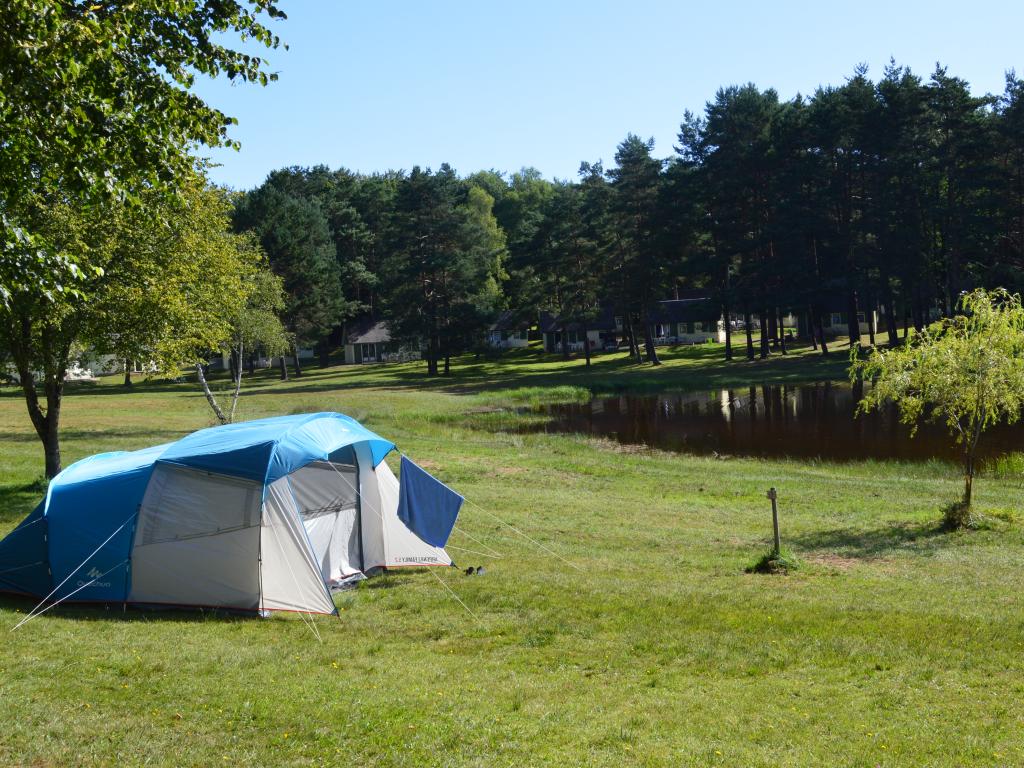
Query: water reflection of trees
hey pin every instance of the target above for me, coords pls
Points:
(764, 420)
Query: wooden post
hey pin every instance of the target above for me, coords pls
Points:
(773, 495)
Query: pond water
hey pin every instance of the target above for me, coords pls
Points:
(806, 420)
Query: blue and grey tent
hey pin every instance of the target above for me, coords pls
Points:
(261, 516)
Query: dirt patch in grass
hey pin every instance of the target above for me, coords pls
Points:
(616, 447)
(505, 471)
(828, 560)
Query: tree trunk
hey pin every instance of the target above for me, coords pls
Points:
(652, 353)
(47, 425)
(50, 434)
(565, 341)
(252, 363)
(890, 323)
(447, 361)
(127, 372)
(762, 317)
(325, 354)
(634, 349)
(870, 314)
(238, 380)
(821, 330)
(782, 334)
(773, 329)
(748, 320)
(889, 306)
(811, 330)
(432, 352)
(586, 345)
(961, 515)
(728, 330)
(284, 368)
(209, 395)
(852, 326)
(295, 358)
(51, 443)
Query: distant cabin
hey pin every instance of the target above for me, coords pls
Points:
(221, 361)
(694, 319)
(508, 331)
(599, 332)
(834, 316)
(370, 342)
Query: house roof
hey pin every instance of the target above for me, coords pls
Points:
(369, 332)
(604, 321)
(697, 309)
(510, 321)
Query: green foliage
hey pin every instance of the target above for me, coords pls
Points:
(171, 294)
(296, 237)
(638, 269)
(257, 326)
(444, 265)
(892, 194)
(95, 104)
(967, 372)
(165, 281)
(1006, 467)
(569, 250)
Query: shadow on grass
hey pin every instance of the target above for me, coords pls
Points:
(20, 605)
(704, 368)
(168, 435)
(698, 367)
(391, 579)
(76, 388)
(922, 538)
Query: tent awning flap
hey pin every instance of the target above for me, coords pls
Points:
(427, 506)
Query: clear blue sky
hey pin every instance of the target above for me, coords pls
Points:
(385, 84)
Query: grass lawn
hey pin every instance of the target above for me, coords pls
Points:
(894, 644)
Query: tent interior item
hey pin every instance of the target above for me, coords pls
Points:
(258, 516)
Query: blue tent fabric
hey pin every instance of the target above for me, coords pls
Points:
(85, 505)
(23, 556)
(268, 449)
(82, 533)
(427, 506)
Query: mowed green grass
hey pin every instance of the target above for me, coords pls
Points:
(895, 644)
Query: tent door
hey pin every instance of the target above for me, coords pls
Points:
(327, 498)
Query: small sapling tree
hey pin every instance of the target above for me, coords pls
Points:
(255, 326)
(966, 372)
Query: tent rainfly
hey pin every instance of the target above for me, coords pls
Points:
(257, 516)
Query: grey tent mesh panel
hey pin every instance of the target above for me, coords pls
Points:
(182, 503)
(322, 488)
